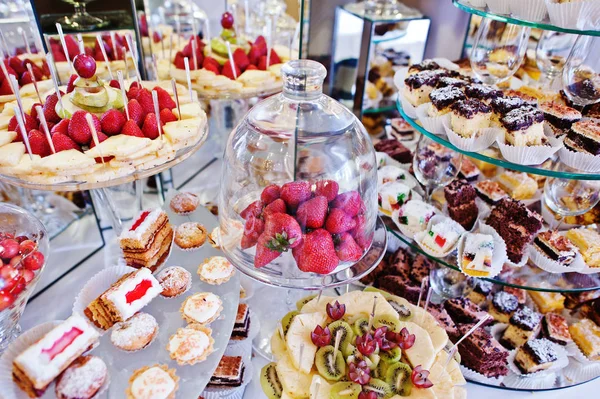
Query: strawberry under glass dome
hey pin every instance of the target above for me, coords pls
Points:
(298, 199)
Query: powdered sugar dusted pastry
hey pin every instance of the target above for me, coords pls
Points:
(135, 333)
(216, 270)
(82, 379)
(191, 345)
(184, 203)
(202, 308)
(153, 382)
(174, 280)
(190, 235)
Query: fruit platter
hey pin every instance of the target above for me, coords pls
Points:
(361, 345)
(25, 68)
(99, 132)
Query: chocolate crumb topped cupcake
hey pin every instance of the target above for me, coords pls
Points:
(584, 136)
(469, 116)
(524, 126)
(419, 85)
(503, 306)
(443, 98)
(524, 324)
(536, 355)
(559, 117)
(482, 92)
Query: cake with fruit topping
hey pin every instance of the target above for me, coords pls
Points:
(503, 105)
(524, 126)
(418, 86)
(468, 117)
(477, 254)
(392, 196)
(482, 92)
(38, 365)
(536, 355)
(123, 299)
(148, 241)
(556, 247)
(425, 65)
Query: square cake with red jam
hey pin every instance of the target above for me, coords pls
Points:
(123, 299)
(37, 366)
(148, 241)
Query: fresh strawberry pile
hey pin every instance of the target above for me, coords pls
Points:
(112, 52)
(156, 36)
(321, 226)
(20, 260)
(18, 68)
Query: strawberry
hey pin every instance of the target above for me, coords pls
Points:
(254, 54)
(71, 85)
(29, 123)
(115, 83)
(132, 93)
(112, 122)
(17, 65)
(132, 129)
(251, 68)
(262, 63)
(339, 222)
(156, 37)
(350, 202)
(150, 127)
(281, 233)
(179, 62)
(9, 70)
(164, 98)
(50, 126)
(5, 88)
(50, 109)
(25, 79)
(228, 71)
(240, 58)
(136, 113)
(72, 46)
(34, 111)
(62, 142)
(211, 61)
(295, 192)
(311, 214)
(327, 188)
(277, 206)
(38, 73)
(274, 58)
(359, 233)
(144, 97)
(45, 68)
(166, 116)
(38, 143)
(61, 127)
(347, 249)
(79, 129)
(316, 253)
(254, 209)
(213, 69)
(270, 194)
(252, 230)
(261, 43)
(101, 138)
(135, 85)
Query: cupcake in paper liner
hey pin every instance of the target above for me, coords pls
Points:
(479, 141)
(441, 236)
(481, 254)
(564, 15)
(433, 124)
(528, 155)
(499, 6)
(561, 248)
(546, 348)
(529, 10)
(577, 372)
(413, 217)
(474, 376)
(580, 160)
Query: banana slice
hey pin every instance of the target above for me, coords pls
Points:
(295, 382)
(422, 352)
(298, 335)
(6, 136)
(65, 163)
(11, 154)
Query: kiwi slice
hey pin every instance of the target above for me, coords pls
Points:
(347, 336)
(360, 326)
(381, 369)
(385, 294)
(287, 320)
(304, 301)
(330, 363)
(344, 390)
(269, 382)
(391, 322)
(381, 388)
(391, 356)
(404, 313)
(398, 379)
(374, 359)
(349, 350)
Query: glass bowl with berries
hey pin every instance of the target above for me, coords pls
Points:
(23, 250)
(298, 189)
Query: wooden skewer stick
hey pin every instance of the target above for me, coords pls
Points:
(123, 93)
(157, 113)
(174, 85)
(4, 70)
(455, 346)
(280, 329)
(207, 35)
(372, 315)
(104, 55)
(40, 113)
(427, 299)
(188, 76)
(21, 124)
(80, 43)
(230, 54)
(39, 46)
(423, 282)
(5, 45)
(25, 39)
(15, 87)
(64, 45)
(34, 81)
(54, 75)
(134, 59)
(338, 338)
(90, 122)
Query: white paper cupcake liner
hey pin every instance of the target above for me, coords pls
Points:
(580, 160)
(434, 124)
(530, 10)
(420, 236)
(483, 140)
(498, 255)
(561, 362)
(564, 15)
(551, 266)
(590, 16)
(499, 6)
(95, 286)
(409, 109)
(576, 353)
(545, 381)
(531, 155)
(577, 372)
(404, 229)
(476, 3)
(474, 376)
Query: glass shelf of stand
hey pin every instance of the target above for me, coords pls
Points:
(533, 169)
(531, 274)
(544, 25)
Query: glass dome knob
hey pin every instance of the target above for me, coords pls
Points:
(303, 78)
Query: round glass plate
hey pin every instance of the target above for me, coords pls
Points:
(274, 276)
(561, 384)
(236, 95)
(181, 156)
(536, 170)
(544, 25)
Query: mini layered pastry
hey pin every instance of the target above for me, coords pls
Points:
(153, 382)
(482, 353)
(463, 310)
(229, 373)
(468, 170)
(241, 327)
(490, 191)
(401, 129)
(536, 355)
(442, 237)
(480, 290)
(560, 117)
(202, 308)
(556, 247)
(477, 254)
(588, 242)
(482, 92)
(584, 137)
(418, 86)
(148, 241)
(524, 324)
(38, 365)
(191, 345)
(393, 195)
(460, 196)
(468, 117)
(443, 98)
(123, 299)
(524, 127)
(518, 184)
(415, 215)
(503, 306)
(556, 329)
(548, 301)
(394, 149)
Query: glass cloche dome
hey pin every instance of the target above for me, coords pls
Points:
(298, 200)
